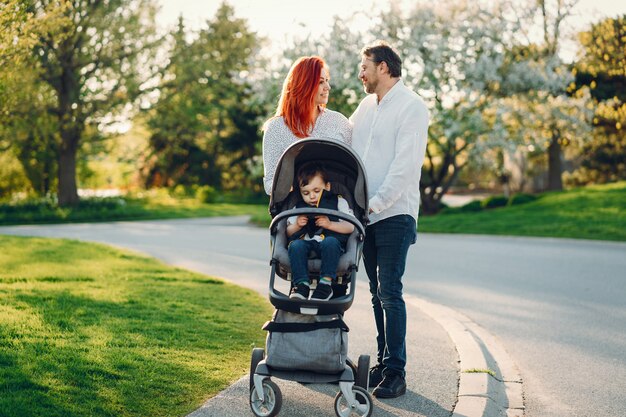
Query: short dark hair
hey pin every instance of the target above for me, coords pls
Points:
(310, 170)
(381, 51)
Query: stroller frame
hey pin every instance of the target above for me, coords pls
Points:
(353, 397)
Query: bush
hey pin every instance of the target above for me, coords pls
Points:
(13, 180)
(494, 201)
(207, 194)
(184, 191)
(244, 196)
(522, 198)
(471, 206)
(46, 209)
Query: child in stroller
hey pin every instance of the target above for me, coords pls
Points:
(323, 236)
(307, 340)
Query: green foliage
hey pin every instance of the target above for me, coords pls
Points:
(207, 194)
(47, 210)
(494, 201)
(12, 177)
(88, 330)
(471, 206)
(491, 202)
(602, 67)
(27, 129)
(521, 198)
(203, 128)
(89, 61)
(490, 94)
(601, 64)
(159, 204)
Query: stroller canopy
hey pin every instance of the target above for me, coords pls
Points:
(344, 168)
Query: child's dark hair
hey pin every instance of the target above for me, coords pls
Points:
(310, 170)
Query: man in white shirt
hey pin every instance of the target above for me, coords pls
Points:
(390, 129)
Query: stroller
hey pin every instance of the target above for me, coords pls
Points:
(307, 339)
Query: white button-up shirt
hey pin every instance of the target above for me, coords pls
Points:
(390, 137)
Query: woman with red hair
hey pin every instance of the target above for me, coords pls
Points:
(301, 113)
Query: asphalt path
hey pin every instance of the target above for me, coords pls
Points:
(556, 305)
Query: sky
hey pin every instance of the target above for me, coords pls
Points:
(281, 19)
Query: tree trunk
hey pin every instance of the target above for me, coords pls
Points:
(71, 126)
(68, 192)
(431, 203)
(555, 165)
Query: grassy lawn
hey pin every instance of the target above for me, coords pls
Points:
(596, 212)
(88, 330)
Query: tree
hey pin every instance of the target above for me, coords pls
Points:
(341, 53)
(174, 123)
(95, 64)
(451, 54)
(601, 66)
(26, 127)
(204, 126)
(534, 73)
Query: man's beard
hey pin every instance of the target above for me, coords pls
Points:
(370, 87)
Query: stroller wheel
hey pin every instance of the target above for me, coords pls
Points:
(258, 354)
(362, 405)
(271, 403)
(362, 375)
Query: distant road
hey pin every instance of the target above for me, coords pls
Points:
(557, 305)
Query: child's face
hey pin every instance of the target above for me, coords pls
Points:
(312, 192)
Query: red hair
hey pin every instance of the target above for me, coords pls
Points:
(297, 100)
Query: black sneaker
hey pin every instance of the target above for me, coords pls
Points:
(300, 291)
(376, 375)
(322, 292)
(392, 386)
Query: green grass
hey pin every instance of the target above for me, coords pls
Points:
(88, 330)
(479, 371)
(595, 212)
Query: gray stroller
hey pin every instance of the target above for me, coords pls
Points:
(307, 340)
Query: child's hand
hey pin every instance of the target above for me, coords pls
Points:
(301, 221)
(322, 221)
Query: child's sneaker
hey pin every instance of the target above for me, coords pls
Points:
(300, 291)
(322, 292)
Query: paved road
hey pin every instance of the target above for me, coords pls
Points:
(556, 305)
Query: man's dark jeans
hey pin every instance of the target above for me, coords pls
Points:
(384, 255)
(329, 250)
